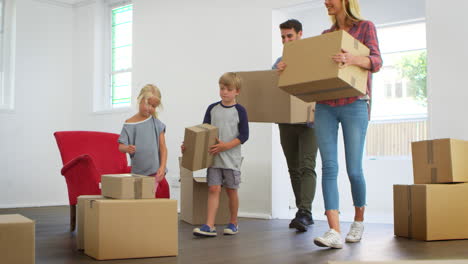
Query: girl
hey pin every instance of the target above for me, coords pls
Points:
(143, 138)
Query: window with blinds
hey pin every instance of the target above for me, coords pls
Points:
(399, 96)
(121, 55)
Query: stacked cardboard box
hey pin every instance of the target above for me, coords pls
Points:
(197, 141)
(440, 161)
(312, 75)
(17, 234)
(128, 186)
(265, 102)
(436, 206)
(120, 229)
(80, 218)
(194, 197)
(132, 225)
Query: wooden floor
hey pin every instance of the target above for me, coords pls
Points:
(259, 241)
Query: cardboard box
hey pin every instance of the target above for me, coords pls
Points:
(431, 211)
(449, 261)
(121, 229)
(313, 76)
(197, 141)
(265, 102)
(128, 186)
(80, 216)
(17, 236)
(440, 161)
(194, 198)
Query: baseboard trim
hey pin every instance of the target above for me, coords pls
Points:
(11, 206)
(254, 215)
(240, 214)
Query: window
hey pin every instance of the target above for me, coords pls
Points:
(121, 55)
(399, 99)
(6, 54)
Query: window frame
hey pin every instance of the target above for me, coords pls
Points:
(103, 93)
(394, 88)
(7, 58)
(400, 120)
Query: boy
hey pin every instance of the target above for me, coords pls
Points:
(231, 120)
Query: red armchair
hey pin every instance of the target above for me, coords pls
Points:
(86, 155)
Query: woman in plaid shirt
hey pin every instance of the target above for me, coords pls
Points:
(353, 114)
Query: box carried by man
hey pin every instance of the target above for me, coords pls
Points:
(265, 102)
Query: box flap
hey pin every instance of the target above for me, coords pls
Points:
(14, 219)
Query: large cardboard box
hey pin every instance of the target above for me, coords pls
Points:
(128, 186)
(440, 161)
(197, 141)
(448, 261)
(17, 235)
(265, 102)
(431, 211)
(80, 216)
(194, 197)
(313, 76)
(121, 229)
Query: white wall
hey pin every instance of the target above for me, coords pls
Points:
(43, 76)
(184, 51)
(380, 174)
(447, 56)
(58, 45)
(55, 74)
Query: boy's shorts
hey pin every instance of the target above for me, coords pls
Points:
(226, 177)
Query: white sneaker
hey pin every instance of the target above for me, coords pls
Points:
(331, 239)
(355, 232)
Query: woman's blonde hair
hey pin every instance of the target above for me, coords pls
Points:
(352, 11)
(149, 91)
(231, 79)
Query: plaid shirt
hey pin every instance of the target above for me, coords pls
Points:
(365, 32)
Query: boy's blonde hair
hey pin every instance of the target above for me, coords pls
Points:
(352, 11)
(231, 79)
(149, 91)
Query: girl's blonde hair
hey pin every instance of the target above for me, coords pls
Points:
(231, 79)
(352, 11)
(149, 91)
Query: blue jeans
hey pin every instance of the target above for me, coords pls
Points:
(354, 120)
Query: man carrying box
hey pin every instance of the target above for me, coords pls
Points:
(299, 147)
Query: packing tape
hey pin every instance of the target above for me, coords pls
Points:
(356, 44)
(410, 214)
(137, 187)
(430, 152)
(430, 160)
(433, 175)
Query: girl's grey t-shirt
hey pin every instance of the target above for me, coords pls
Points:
(145, 136)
